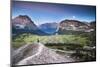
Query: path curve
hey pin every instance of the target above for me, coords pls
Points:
(38, 52)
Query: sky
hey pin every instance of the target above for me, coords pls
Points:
(52, 12)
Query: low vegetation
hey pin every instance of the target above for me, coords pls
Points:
(62, 42)
(53, 39)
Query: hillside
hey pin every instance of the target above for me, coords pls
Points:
(24, 24)
(74, 27)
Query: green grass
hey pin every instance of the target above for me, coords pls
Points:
(61, 42)
(67, 39)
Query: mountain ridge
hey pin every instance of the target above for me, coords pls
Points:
(73, 26)
(24, 24)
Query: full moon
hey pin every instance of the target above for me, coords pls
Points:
(73, 17)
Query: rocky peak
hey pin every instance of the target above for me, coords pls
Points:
(74, 27)
(23, 21)
(24, 24)
(75, 23)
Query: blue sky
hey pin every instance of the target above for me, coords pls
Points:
(46, 12)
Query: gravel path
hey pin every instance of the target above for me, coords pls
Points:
(39, 54)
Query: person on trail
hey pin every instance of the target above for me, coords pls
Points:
(38, 40)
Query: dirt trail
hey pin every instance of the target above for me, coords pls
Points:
(37, 53)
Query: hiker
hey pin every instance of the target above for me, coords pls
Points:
(38, 40)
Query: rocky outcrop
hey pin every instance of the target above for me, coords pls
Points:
(74, 26)
(23, 22)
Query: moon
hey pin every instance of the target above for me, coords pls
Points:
(73, 17)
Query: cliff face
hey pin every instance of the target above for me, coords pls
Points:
(73, 26)
(24, 24)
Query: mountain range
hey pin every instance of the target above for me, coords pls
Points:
(24, 24)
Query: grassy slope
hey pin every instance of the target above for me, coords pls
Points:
(62, 42)
(68, 39)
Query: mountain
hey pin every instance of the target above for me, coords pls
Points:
(24, 24)
(49, 27)
(93, 24)
(73, 27)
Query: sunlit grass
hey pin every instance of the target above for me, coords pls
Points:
(29, 38)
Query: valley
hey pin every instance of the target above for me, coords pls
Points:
(69, 38)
